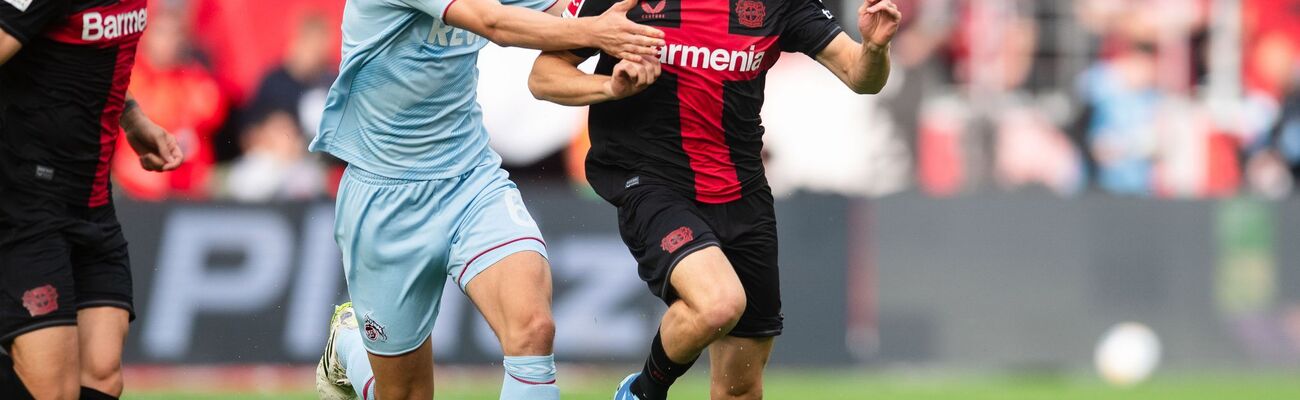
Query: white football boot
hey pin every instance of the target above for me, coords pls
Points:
(331, 375)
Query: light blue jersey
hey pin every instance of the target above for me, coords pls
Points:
(424, 199)
(404, 105)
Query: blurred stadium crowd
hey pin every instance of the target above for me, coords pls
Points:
(1146, 98)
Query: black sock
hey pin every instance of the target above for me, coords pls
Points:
(92, 394)
(659, 373)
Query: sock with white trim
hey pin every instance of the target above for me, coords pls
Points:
(529, 378)
(352, 353)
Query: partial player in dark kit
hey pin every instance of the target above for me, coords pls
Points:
(65, 278)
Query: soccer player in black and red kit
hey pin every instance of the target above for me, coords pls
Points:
(676, 146)
(65, 279)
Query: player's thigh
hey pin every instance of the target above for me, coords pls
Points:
(514, 296)
(38, 303)
(493, 225)
(499, 260)
(737, 364)
(404, 376)
(394, 245)
(674, 247)
(46, 360)
(706, 279)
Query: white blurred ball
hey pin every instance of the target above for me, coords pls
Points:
(1127, 354)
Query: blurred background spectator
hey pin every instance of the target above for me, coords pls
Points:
(181, 95)
(275, 164)
(300, 83)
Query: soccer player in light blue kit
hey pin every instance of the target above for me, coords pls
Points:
(424, 198)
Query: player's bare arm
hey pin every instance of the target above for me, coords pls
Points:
(157, 149)
(9, 46)
(865, 67)
(557, 79)
(611, 32)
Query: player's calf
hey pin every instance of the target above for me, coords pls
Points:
(737, 366)
(747, 392)
(403, 377)
(710, 303)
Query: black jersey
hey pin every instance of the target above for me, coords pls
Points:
(698, 128)
(61, 96)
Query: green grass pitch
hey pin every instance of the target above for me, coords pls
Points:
(824, 385)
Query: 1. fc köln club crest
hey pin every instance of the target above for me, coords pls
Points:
(751, 13)
(373, 330)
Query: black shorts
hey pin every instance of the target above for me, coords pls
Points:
(662, 226)
(56, 259)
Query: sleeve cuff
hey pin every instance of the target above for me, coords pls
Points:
(14, 32)
(825, 41)
(443, 17)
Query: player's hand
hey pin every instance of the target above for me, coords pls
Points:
(614, 34)
(878, 21)
(631, 77)
(157, 149)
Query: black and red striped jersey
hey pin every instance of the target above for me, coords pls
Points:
(697, 128)
(61, 96)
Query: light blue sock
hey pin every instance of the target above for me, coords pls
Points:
(352, 353)
(529, 378)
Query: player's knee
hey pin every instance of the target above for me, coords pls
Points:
(103, 376)
(723, 311)
(53, 380)
(532, 335)
(66, 389)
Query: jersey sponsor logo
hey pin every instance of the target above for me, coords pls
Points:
(96, 26)
(41, 300)
(654, 11)
(373, 330)
(118, 24)
(676, 239)
(21, 5)
(751, 13)
(714, 59)
(573, 9)
(444, 35)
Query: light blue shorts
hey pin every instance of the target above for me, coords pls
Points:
(402, 239)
